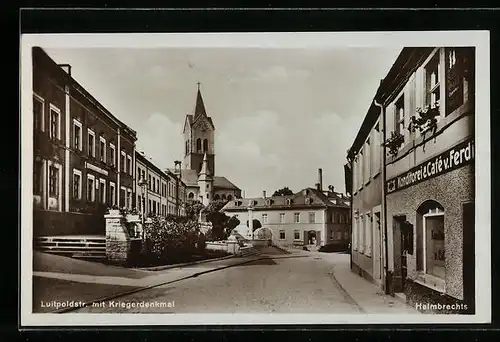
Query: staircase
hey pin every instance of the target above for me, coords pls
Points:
(248, 251)
(75, 246)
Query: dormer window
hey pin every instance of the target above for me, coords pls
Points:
(288, 201)
(237, 203)
(269, 201)
(308, 200)
(251, 203)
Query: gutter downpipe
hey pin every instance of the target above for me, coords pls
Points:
(351, 165)
(384, 201)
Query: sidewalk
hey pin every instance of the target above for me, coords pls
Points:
(59, 279)
(370, 298)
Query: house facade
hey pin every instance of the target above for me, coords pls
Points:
(306, 218)
(430, 179)
(83, 155)
(424, 108)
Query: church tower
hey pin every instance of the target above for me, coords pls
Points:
(205, 182)
(199, 138)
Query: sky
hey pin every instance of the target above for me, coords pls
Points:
(279, 114)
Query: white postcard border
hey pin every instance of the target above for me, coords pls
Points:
(323, 40)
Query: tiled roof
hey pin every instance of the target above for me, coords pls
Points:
(317, 200)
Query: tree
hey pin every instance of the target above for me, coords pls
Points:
(283, 192)
(217, 218)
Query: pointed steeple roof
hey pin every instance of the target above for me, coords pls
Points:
(204, 167)
(200, 106)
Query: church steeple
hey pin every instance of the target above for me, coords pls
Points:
(200, 106)
(205, 182)
(204, 167)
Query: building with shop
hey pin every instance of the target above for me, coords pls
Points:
(310, 217)
(164, 193)
(427, 107)
(205, 187)
(83, 155)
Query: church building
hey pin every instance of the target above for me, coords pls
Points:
(198, 169)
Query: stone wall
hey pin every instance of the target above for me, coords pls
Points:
(121, 247)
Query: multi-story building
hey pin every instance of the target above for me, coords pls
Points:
(427, 107)
(160, 197)
(83, 155)
(365, 157)
(308, 217)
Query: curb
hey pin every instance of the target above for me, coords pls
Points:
(283, 249)
(126, 293)
(166, 267)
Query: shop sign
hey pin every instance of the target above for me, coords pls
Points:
(460, 155)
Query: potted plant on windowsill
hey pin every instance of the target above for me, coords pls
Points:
(394, 142)
(425, 120)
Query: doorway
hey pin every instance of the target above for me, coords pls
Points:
(311, 238)
(400, 251)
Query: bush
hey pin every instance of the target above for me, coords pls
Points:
(169, 240)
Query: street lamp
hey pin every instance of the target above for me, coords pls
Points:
(143, 184)
(177, 163)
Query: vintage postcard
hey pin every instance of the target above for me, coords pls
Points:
(255, 178)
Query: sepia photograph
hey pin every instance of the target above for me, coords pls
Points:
(253, 178)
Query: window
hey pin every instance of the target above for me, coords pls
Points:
(312, 217)
(77, 184)
(90, 188)
(296, 234)
(53, 182)
(368, 235)
(112, 191)
(38, 178)
(102, 149)
(229, 197)
(129, 165)
(264, 218)
(102, 190)
(38, 113)
(205, 145)
(123, 198)
(91, 143)
(361, 230)
(400, 115)
(149, 182)
(282, 235)
(129, 199)
(282, 217)
(296, 217)
(368, 161)
(113, 154)
(149, 207)
(430, 239)
(459, 66)
(198, 145)
(361, 180)
(55, 122)
(432, 82)
(355, 174)
(355, 233)
(77, 135)
(123, 162)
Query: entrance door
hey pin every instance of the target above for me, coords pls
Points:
(399, 254)
(379, 245)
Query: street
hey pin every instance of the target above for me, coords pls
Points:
(277, 283)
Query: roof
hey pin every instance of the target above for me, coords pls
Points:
(38, 52)
(199, 109)
(407, 62)
(140, 156)
(318, 201)
(224, 183)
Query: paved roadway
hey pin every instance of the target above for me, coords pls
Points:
(279, 284)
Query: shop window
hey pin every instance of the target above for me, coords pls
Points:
(430, 239)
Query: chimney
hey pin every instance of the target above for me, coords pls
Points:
(320, 179)
(264, 193)
(318, 187)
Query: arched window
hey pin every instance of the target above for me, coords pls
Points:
(229, 197)
(191, 196)
(205, 145)
(223, 197)
(217, 197)
(430, 238)
(198, 145)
